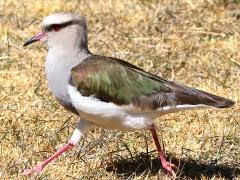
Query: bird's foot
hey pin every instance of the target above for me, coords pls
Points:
(170, 168)
(36, 169)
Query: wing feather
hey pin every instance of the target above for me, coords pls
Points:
(117, 81)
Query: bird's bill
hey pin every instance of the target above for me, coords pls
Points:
(39, 37)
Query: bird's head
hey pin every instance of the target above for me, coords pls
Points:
(64, 30)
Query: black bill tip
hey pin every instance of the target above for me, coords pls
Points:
(30, 42)
(38, 37)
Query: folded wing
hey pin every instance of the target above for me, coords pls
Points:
(117, 81)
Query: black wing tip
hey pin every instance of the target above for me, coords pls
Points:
(226, 104)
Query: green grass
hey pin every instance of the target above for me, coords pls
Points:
(192, 42)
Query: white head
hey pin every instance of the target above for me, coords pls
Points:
(63, 30)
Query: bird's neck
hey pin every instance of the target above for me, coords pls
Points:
(58, 67)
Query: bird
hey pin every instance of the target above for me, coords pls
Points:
(107, 92)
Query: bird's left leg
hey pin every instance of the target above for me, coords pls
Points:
(81, 128)
(167, 166)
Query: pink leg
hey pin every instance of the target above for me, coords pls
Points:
(38, 168)
(167, 166)
(82, 127)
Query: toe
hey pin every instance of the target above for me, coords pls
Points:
(173, 174)
(171, 169)
(26, 172)
(38, 168)
(173, 166)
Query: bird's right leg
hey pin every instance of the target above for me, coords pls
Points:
(167, 166)
(82, 127)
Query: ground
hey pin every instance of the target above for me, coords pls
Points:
(192, 42)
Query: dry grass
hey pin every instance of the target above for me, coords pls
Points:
(193, 42)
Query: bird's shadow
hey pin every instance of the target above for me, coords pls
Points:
(187, 168)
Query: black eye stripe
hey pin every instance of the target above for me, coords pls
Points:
(50, 27)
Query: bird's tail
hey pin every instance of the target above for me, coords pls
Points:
(192, 96)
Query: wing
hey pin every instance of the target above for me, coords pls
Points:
(117, 81)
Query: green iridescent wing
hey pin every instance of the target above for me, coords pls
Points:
(117, 81)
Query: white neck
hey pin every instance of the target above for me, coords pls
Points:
(58, 65)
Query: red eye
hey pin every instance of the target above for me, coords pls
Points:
(56, 27)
